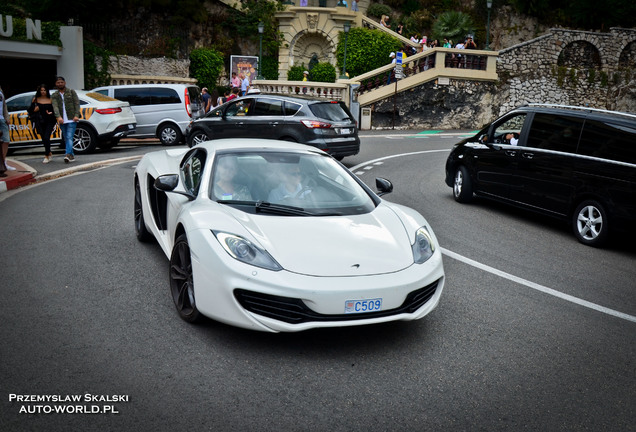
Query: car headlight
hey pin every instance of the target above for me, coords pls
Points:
(423, 248)
(244, 251)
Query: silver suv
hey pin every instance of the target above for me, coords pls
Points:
(162, 110)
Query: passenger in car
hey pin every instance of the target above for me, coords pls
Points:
(224, 186)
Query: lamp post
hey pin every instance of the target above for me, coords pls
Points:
(489, 5)
(261, 28)
(347, 27)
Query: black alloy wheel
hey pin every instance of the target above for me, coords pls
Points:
(181, 281)
(141, 231)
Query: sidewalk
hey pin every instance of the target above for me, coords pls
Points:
(23, 175)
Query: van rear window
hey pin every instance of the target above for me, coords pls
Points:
(609, 141)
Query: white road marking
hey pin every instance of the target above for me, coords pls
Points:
(509, 276)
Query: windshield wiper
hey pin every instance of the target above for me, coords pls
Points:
(268, 207)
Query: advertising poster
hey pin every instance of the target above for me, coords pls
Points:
(246, 64)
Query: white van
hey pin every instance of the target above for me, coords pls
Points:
(162, 110)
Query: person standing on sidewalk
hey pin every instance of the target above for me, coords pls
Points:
(66, 107)
(41, 110)
(4, 134)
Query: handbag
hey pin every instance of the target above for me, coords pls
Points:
(34, 117)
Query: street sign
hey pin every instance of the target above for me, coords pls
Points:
(398, 58)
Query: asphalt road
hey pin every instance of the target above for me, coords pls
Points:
(534, 331)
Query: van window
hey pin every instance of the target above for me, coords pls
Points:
(268, 107)
(609, 141)
(134, 96)
(509, 131)
(161, 96)
(555, 132)
(147, 95)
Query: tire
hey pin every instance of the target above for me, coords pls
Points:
(590, 223)
(169, 134)
(197, 137)
(181, 281)
(462, 185)
(143, 235)
(84, 139)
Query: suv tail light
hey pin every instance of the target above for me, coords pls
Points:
(313, 124)
(108, 110)
(187, 102)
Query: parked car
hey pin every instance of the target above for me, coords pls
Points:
(574, 163)
(327, 125)
(103, 123)
(162, 110)
(277, 236)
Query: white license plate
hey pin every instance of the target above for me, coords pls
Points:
(362, 306)
(345, 131)
(130, 126)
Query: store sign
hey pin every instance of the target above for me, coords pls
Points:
(33, 28)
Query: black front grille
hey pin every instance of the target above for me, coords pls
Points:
(294, 311)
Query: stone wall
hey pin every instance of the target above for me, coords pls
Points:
(564, 67)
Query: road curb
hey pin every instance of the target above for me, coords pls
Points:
(26, 175)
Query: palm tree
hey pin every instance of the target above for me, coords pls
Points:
(453, 25)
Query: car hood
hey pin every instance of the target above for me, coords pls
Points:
(368, 244)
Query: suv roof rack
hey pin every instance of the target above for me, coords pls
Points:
(572, 107)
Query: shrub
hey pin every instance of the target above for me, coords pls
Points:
(376, 10)
(206, 65)
(366, 50)
(323, 72)
(295, 73)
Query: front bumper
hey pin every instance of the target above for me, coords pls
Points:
(222, 287)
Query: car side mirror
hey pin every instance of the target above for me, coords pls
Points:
(168, 182)
(383, 185)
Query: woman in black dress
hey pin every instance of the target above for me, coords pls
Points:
(41, 111)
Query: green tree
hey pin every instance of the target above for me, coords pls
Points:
(453, 25)
(366, 50)
(206, 65)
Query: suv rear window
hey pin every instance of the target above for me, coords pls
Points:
(609, 141)
(330, 111)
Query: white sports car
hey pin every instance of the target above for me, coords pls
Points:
(277, 236)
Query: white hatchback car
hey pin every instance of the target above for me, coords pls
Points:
(103, 123)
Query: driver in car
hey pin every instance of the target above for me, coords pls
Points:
(290, 186)
(512, 138)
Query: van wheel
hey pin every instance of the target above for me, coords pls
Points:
(590, 223)
(84, 140)
(169, 134)
(462, 186)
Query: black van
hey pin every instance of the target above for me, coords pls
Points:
(574, 163)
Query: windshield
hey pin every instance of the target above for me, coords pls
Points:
(287, 183)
